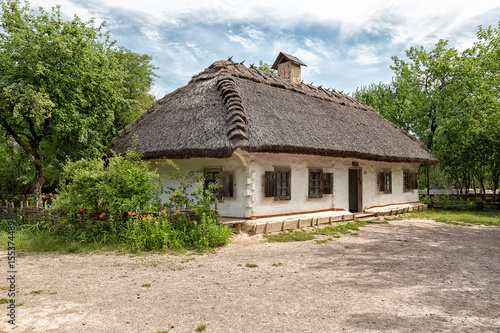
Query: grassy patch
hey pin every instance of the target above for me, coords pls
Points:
(4, 301)
(201, 328)
(251, 265)
(277, 264)
(51, 241)
(147, 285)
(295, 236)
(331, 231)
(460, 217)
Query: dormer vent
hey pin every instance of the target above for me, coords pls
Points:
(288, 67)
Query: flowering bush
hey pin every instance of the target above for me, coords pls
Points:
(108, 189)
(101, 200)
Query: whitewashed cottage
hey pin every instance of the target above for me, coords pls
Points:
(279, 146)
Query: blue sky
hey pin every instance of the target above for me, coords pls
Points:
(345, 44)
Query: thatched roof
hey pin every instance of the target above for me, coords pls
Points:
(230, 106)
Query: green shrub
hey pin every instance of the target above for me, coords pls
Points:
(98, 205)
(479, 204)
(108, 189)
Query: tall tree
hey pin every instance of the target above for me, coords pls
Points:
(65, 86)
(449, 100)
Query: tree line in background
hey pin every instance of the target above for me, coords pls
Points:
(450, 100)
(66, 89)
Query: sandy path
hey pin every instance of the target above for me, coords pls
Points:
(405, 276)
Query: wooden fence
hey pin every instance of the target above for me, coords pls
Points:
(42, 211)
(463, 204)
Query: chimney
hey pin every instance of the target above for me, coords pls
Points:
(288, 67)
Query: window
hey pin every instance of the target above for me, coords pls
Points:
(277, 184)
(315, 183)
(319, 183)
(385, 181)
(225, 180)
(406, 181)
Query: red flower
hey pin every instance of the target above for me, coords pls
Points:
(81, 209)
(177, 211)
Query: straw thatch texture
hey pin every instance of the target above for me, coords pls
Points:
(230, 106)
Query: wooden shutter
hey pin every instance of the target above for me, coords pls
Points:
(289, 184)
(381, 182)
(414, 181)
(327, 183)
(269, 184)
(226, 184)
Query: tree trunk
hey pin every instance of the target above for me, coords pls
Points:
(36, 187)
(428, 183)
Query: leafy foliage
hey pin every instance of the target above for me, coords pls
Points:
(265, 67)
(101, 199)
(450, 101)
(65, 87)
(109, 188)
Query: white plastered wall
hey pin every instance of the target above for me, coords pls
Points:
(371, 196)
(258, 163)
(248, 177)
(235, 206)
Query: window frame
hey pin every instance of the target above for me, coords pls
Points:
(385, 181)
(225, 180)
(407, 183)
(287, 172)
(315, 184)
(271, 184)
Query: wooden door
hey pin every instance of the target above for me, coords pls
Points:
(355, 190)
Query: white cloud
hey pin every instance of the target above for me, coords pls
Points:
(250, 38)
(151, 33)
(365, 55)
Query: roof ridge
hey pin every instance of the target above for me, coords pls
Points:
(241, 71)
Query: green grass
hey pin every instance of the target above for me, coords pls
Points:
(201, 328)
(295, 236)
(460, 217)
(332, 231)
(42, 237)
(51, 241)
(251, 265)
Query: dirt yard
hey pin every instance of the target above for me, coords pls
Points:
(405, 276)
